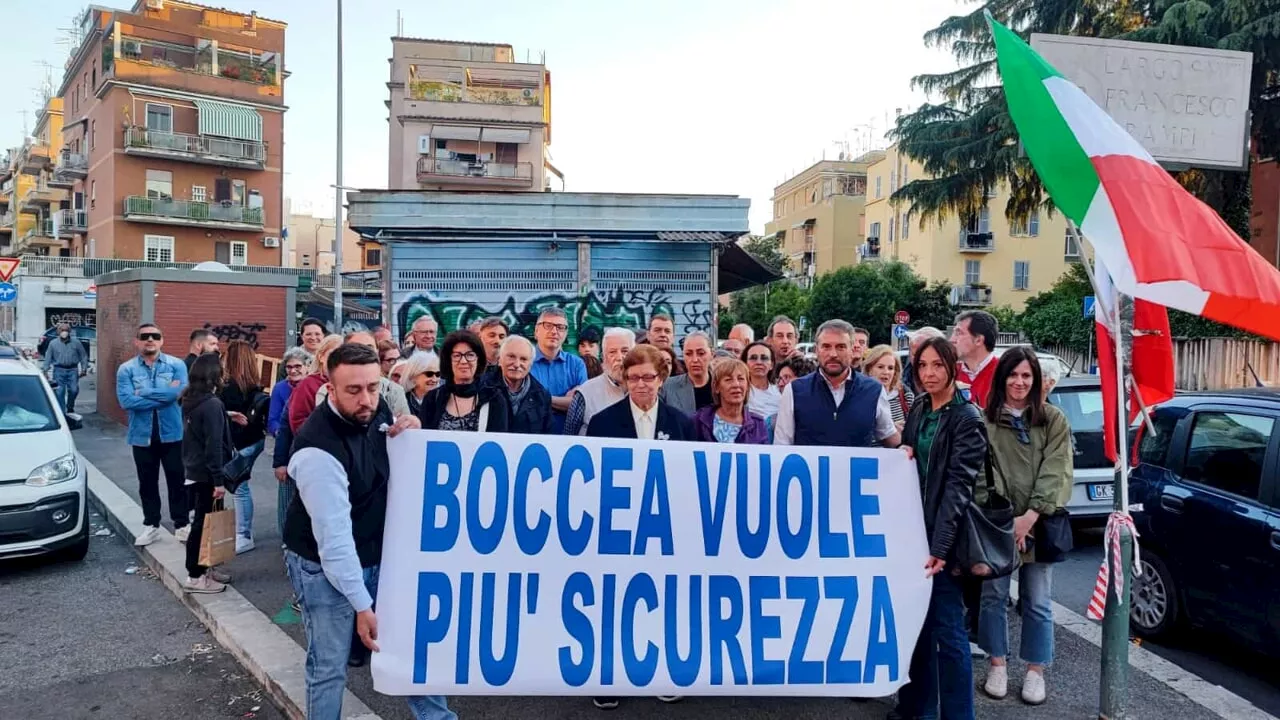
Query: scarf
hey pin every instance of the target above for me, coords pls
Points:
(517, 396)
(464, 391)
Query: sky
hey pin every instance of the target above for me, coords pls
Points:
(662, 96)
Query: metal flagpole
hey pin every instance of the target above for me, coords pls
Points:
(1113, 700)
(337, 199)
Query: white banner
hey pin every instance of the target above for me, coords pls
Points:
(541, 565)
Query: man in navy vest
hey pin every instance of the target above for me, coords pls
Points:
(835, 406)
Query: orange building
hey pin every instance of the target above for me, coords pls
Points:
(173, 136)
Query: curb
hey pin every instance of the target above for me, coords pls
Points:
(266, 651)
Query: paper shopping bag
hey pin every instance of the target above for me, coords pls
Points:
(218, 537)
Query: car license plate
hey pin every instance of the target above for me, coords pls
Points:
(1102, 491)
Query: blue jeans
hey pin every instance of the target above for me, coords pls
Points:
(284, 496)
(243, 496)
(941, 667)
(328, 618)
(68, 389)
(1035, 588)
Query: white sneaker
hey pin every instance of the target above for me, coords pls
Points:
(1033, 690)
(147, 536)
(203, 584)
(182, 533)
(243, 544)
(997, 685)
(218, 575)
(670, 698)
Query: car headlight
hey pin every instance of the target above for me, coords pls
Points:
(56, 471)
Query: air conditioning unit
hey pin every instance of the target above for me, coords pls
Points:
(271, 242)
(424, 144)
(155, 4)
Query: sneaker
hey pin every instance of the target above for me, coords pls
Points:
(605, 703)
(1033, 690)
(670, 698)
(243, 544)
(997, 685)
(219, 575)
(182, 533)
(296, 604)
(147, 536)
(975, 651)
(203, 584)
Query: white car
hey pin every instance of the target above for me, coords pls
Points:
(43, 489)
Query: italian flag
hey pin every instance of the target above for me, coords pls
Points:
(1159, 243)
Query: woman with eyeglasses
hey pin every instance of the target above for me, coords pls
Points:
(796, 366)
(1031, 445)
(419, 375)
(463, 403)
(945, 436)
(764, 394)
(727, 419)
(296, 362)
(388, 356)
(303, 400)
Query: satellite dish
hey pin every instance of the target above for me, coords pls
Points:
(212, 266)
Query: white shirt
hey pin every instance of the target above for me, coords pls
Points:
(646, 421)
(971, 374)
(764, 402)
(784, 428)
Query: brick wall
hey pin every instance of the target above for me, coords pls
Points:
(119, 313)
(258, 315)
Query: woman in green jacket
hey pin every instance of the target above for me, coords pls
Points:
(1030, 444)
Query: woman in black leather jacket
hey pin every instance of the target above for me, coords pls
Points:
(945, 435)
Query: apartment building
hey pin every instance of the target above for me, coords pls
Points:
(467, 116)
(310, 246)
(987, 260)
(34, 205)
(817, 217)
(172, 145)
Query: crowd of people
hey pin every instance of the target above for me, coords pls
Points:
(955, 408)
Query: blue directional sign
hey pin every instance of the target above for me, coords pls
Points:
(8, 293)
(1089, 303)
(899, 331)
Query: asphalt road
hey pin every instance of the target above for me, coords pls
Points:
(90, 640)
(1212, 657)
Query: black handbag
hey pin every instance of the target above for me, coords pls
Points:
(985, 548)
(1052, 537)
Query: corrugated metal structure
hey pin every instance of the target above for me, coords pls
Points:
(606, 259)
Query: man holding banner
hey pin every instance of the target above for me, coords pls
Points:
(334, 526)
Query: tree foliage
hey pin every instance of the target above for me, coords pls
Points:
(869, 294)
(767, 251)
(758, 306)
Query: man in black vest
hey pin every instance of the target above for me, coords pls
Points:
(835, 406)
(333, 528)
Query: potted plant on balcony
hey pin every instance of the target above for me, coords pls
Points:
(231, 71)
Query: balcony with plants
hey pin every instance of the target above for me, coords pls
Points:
(167, 211)
(187, 64)
(203, 149)
(474, 171)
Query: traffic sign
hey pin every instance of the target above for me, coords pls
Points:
(1090, 304)
(8, 293)
(900, 330)
(91, 293)
(9, 268)
(902, 317)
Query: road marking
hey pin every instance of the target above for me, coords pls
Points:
(1214, 698)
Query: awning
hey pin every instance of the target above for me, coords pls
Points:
(711, 237)
(455, 132)
(739, 270)
(229, 121)
(504, 135)
(810, 221)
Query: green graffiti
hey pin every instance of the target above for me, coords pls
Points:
(618, 308)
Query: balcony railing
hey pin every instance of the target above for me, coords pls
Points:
(186, 212)
(73, 220)
(195, 148)
(201, 58)
(974, 295)
(35, 157)
(977, 242)
(474, 172)
(870, 250)
(7, 220)
(71, 166)
(438, 91)
(40, 196)
(81, 267)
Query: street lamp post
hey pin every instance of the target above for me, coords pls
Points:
(337, 198)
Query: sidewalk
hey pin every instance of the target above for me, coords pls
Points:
(260, 580)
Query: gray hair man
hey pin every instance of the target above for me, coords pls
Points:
(835, 406)
(423, 334)
(739, 338)
(606, 388)
(530, 402)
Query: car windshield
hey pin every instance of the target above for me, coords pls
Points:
(24, 406)
(1082, 406)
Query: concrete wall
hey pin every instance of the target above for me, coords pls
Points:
(37, 294)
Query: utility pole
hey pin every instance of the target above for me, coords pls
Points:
(337, 199)
(1114, 700)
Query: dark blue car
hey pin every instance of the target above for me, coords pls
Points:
(1208, 481)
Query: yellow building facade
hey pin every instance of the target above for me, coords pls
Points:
(988, 261)
(32, 195)
(818, 217)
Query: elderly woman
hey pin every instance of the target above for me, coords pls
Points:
(793, 367)
(296, 362)
(530, 401)
(641, 415)
(881, 364)
(727, 419)
(1051, 370)
(419, 375)
(463, 403)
